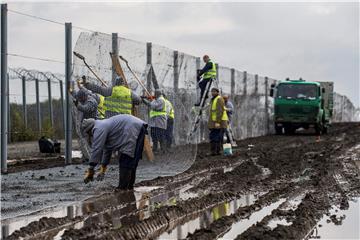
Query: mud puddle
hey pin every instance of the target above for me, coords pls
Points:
(205, 219)
(339, 224)
(240, 226)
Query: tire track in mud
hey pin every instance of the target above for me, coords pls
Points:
(316, 174)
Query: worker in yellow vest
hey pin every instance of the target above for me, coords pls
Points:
(157, 121)
(170, 123)
(218, 121)
(118, 98)
(208, 74)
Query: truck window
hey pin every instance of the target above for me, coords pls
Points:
(297, 91)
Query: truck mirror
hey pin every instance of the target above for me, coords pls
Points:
(271, 92)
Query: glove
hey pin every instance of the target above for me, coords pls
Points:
(198, 78)
(217, 125)
(83, 80)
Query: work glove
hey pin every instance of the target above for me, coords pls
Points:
(89, 175)
(217, 125)
(101, 173)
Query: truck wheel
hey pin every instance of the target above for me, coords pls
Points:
(278, 130)
(289, 130)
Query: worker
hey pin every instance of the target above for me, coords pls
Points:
(209, 75)
(118, 99)
(229, 107)
(170, 123)
(124, 133)
(85, 103)
(218, 121)
(158, 121)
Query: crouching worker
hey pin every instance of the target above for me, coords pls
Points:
(124, 133)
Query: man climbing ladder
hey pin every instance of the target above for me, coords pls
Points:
(206, 77)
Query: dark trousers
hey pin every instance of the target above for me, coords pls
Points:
(202, 86)
(169, 132)
(216, 135)
(128, 165)
(158, 136)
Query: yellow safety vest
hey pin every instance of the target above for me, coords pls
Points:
(119, 101)
(162, 112)
(211, 73)
(101, 108)
(169, 109)
(213, 111)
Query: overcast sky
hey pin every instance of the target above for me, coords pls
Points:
(315, 41)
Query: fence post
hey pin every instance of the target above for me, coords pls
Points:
(245, 83)
(148, 61)
(176, 72)
(50, 103)
(256, 83)
(68, 124)
(198, 60)
(267, 115)
(38, 107)
(24, 107)
(232, 83)
(8, 110)
(4, 88)
(62, 103)
(115, 51)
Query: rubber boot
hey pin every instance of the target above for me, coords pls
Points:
(89, 175)
(132, 179)
(218, 148)
(124, 179)
(212, 149)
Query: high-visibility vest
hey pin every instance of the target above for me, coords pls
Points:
(210, 73)
(101, 107)
(162, 112)
(169, 109)
(213, 111)
(119, 101)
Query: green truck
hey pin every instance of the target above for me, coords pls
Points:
(302, 104)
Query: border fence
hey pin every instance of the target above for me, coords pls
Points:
(26, 116)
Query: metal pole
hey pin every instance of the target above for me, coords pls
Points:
(62, 103)
(4, 88)
(38, 108)
(23, 78)
(232, 78)
(176, 72)
(115, 52)
(267, 114)
(68, 62)
(50, 103)
(8, 110)
(149, 61)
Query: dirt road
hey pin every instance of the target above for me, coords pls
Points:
(273, 187)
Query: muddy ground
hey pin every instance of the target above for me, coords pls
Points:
(273, 187)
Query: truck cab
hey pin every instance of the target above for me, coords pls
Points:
(302, 104)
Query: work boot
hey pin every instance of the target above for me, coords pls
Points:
(212, 149)
(124, 178)
(155, 147)
(101, 173)
(218, 148)
(132, 179)
(89, 175)
(163, 146)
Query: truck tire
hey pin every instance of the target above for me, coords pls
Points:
(278, 130)
(289, 130)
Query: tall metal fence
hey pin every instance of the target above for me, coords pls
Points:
(39, 102)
